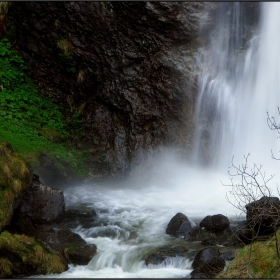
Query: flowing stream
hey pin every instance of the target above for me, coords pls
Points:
(239, 84)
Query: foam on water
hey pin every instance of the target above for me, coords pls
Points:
(117, 272)
(134, 217)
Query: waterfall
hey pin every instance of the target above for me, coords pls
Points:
(239, 84)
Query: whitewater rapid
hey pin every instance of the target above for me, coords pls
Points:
(137, 214)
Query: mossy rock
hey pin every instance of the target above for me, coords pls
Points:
(14, 179)
(52, 135)
(258, 260)
(20, 254)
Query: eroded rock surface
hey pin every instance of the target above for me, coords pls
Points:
(40, 205)
(263, 215)
(127, 68)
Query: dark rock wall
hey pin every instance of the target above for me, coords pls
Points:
(125, 67)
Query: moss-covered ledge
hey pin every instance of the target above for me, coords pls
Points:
(20, 254)
(14, 179)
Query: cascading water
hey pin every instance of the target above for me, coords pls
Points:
(237, 88)
(239, 83)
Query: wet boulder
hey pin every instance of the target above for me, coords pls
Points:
(225, 238)
(207, 262)
(81, 255)
(193, 234)
(40, 205)
(179, 226)
(78, 217)
(64, 238)
(161, 254)
(263, 215)
(242, 233)
(71, 245)
(228, 256)
(215, 223)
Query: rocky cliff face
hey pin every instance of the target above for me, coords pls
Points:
(125, 67)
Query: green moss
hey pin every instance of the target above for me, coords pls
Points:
(52, 134)
(5, 268)
(18, 251)
(33, 124)
(264, 262)
(14, 178)
(71, 249)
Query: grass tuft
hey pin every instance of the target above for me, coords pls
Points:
(25, 251)
(14, 178)
(264, 262)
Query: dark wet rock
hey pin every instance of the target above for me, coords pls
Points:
(78, 217)
(76, 213)
(263, 215)
(242, 233)
(40, 205)
(224, 238)
(207, 262)
(207, 242)
(81, 255)
(71, 246)
(193, 234)
(111, 231)
(228, 256)
(205, 255)
(130, 78)
(41, 215)
(215, 223)
(155, 258)
(185, 230)
(162, 253)
(245, 235)
(198, 275)
(65, 238)
(179, 226)
(53, 174)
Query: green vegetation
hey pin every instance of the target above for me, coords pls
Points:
(263, 263)
(14, 178)
(31, 122)
(19, 252)
(27, 254)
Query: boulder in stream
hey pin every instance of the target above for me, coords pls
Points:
(179, 226)
(242, 233)
(207, 263)
(71, 245)
(161, 254)
(40, 205)
(215, 223)
(83, 216)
